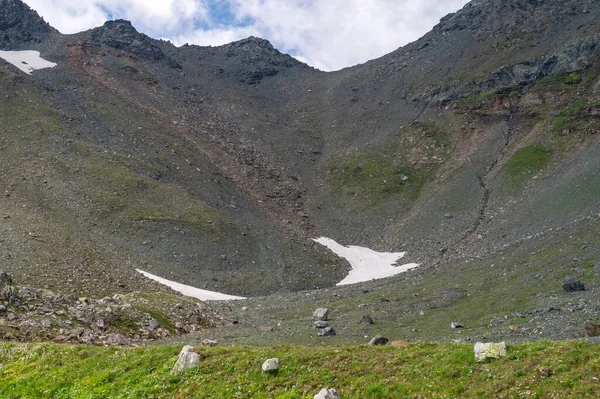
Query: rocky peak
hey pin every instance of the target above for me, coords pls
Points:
(20, 25)
(491, 17)
(121, 35)
(258, 59)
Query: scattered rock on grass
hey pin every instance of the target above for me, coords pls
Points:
(592, 330)
(187, 360)
(270, 365)
(321, 314)
(366, 319)
(456, 325)
(326, 332)
(321, 324)
(489, 349)
(153, 325)
(378, 340)
(208, 342)
(327, 393)
(572, 284)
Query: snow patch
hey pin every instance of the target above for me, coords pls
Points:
(367, 264)
(27, 61)
(188, 290)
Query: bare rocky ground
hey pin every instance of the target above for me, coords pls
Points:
(474, 149)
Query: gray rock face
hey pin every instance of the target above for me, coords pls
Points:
(489, 350)
(20, 24)
(187, 360)
(121, 35)
(572, 284)
(321, 314)
(327, 393)
(326, 332)
(378, 340)
(270, 365)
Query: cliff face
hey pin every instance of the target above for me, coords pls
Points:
(20, 25)
(215, 166)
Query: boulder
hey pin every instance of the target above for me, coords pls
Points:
(489, 350)
(153, 324)
(270, 365)
(591, 329)
(378, 340)
(5, 278)
(2, 309)
(366, 319)
(327, 393)
(456, 325)
(208, 342)
(326, 332)
(572, 284)
(321, 314)
(187, 360)
(321, 324)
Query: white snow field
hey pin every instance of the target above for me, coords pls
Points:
(188, 290)
(366, 264)
(27, 61)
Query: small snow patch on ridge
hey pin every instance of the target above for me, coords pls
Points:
(27, 61)
(188, 290)
(366, 264)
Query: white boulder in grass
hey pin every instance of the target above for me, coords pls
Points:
(490, 349)
(270, 365)
(327, 393)
(187, 359)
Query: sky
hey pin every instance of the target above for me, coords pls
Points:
(326, 34)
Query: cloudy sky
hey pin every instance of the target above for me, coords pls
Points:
(327, 34)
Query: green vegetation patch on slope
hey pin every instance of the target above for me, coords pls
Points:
(539, 369)
(577, 117)
(122, 193)
(396, 171)
(527, 161)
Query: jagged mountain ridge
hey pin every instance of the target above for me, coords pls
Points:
(219, 164)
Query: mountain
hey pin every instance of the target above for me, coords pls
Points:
(217, 166)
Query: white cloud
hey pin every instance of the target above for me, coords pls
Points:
(154, 17)
(327, 34)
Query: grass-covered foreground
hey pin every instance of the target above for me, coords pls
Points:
(534, 370)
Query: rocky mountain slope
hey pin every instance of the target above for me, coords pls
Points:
(216, 166)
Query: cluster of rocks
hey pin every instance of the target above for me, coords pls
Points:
(30, 314)
(321, 323)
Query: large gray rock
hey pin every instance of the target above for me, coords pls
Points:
(321, 324)
(572, 284)
(378, 340)
(321, 314)
(153, 324)
(270, 365)
(327, 393)
(326, 332)
(489, 350)
(187, 359)
(366, 319)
